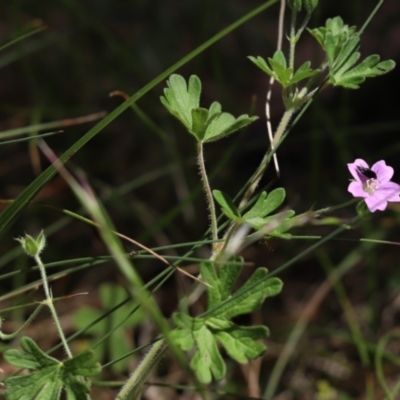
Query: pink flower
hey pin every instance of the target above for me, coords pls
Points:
(373, 184)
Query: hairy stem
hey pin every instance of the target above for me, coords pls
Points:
(131, 389)
(49, 303)
(207, 189)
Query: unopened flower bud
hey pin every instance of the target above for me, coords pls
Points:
(31, 246)
(310, 5)
(294, 5)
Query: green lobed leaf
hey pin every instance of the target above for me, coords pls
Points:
(330, 44)
(262, 64)
(246, 300)
(227, 205)
(207, 361)
(283, 74)
(240, 342)
(225, 124)
(202, 119)
(258, 222)
(274, 200)
(220, 286)
(181, 98)
(278, 69)
(31, 358)
(44, 385)
(183, 338)
(199, 123)
(368, 68)
(257, 209)
(286, 223)
(264, 206)
(338, 33)
(304, 72)
(50, 375)
(279, 59)
(210, 276)
(228, 275)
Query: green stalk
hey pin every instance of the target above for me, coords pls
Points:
(10, 336)
(49, 303)
(292, 39)
(131, 389)
(207, 189)
(265, 161)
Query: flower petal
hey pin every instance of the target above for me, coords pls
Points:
(375, 203)
(383, 172)
(356, 189)
(388, 191)
(355, 171)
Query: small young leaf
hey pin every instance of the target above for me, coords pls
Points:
(304, 72)
(227, 205)
(276, 68)
(278, 64)
(279, 59)
(262, 64)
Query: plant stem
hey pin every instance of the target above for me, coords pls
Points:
(49, 302)
(265, 161)
(10, 336)
(134, 383)
(292, 39)
(207, 189)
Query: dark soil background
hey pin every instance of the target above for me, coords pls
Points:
(92, 48)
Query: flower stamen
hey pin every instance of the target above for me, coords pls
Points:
(370, 186)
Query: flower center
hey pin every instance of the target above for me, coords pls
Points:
(370, 186)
